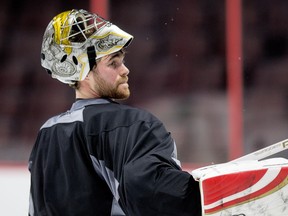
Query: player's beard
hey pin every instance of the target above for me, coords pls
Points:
(116, 91)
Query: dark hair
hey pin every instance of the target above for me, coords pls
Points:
(75, 85)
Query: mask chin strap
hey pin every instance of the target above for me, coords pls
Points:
(91, 52)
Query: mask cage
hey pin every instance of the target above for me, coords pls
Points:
(80, 25)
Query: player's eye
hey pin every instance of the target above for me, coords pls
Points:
(113, 64)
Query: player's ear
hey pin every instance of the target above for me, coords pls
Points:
(88, 75)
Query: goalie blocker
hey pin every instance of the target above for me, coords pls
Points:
(246, 186)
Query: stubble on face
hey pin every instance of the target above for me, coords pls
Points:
(119, 90)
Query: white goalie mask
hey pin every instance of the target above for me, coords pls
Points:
(74, 39)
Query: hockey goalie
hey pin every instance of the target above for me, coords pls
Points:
(249, 185)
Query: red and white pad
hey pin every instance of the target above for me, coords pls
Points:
(244, 188)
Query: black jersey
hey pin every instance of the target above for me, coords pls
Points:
(104, 158)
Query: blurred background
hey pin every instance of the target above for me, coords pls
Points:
(178, 71)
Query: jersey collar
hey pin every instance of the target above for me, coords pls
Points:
(80, 103)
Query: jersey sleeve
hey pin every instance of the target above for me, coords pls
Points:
(152, 183)
(135, 154)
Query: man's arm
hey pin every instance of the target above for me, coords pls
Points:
(152, 183)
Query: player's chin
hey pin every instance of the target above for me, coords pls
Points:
(122, 93)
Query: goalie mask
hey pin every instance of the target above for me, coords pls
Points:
(73, 41)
